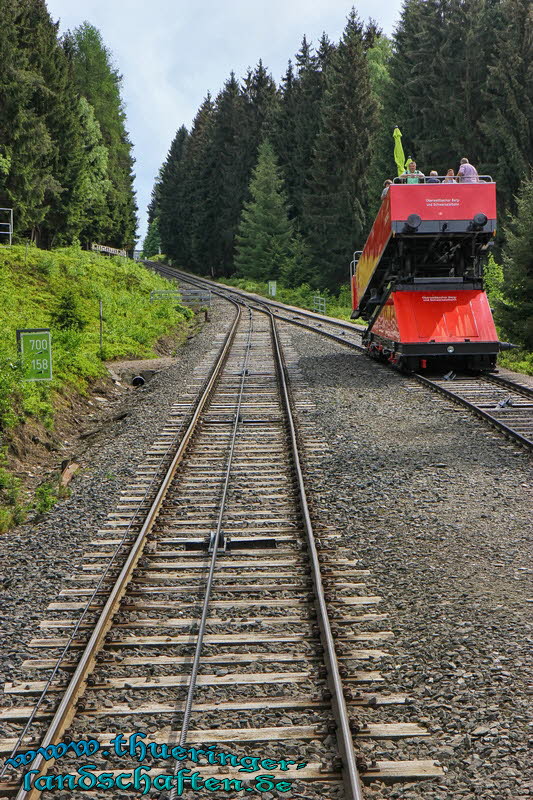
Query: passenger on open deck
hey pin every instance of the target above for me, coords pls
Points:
(412, 174)
(386, 185)
(467, 173)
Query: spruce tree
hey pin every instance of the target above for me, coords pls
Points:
(284, 137)
(155, 198)
(261, 100)
(297, 121)
(173, 208)
(265, 232)
(260, 94)
(440, 93)
(100, 83)
(337, 192)
(33, 86)
(87, 209)
(199, 198)
(416, 69)
(11, 99)
(307, 97)
(507, 121)
(309, 92)
(515, 312)
(325, 51)
(51, 152)
(152, 241)
(297, 269)
(228, 172)
(382, 164)
(58, 105)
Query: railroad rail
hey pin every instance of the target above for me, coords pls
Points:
(504, 404)
(208, 597)
(507, 406)
(336, 329)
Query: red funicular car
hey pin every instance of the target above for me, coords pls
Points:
(419, 280)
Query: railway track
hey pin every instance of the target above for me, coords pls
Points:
(504, 404)
(211, 615)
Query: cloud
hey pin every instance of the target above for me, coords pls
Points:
(171, 53)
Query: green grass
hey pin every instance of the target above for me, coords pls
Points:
(12, 509)
(33, 287)
(61, 290)
(45, 498)
(517, 361)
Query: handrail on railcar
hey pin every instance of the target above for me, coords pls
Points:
(402, 179)
(353, 262)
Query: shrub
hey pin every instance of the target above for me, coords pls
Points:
(493, 280)
(45, 498)
(517, 361)
(68, 314)
(10, 386)
(12, 512)
(515, 310)
(6, 519)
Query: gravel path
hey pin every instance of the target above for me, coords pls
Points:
(35, 559)
(437, 506)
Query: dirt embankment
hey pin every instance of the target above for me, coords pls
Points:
(38, 455)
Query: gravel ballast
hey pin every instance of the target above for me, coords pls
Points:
(431, 501)
(437, 506)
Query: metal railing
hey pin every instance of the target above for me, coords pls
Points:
(196, 297)
(457, 179)
(188, 297)
(6, 228)
(354, 262)
(165, 294)
(319, 304)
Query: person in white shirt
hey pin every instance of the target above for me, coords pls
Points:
(386, 185)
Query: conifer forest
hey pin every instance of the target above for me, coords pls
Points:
(65, 155)
(303, 163)
(275, 181)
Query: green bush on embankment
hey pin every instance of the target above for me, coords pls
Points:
(521, 359)
(61, 290)
(517, 361)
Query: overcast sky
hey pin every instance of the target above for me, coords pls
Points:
(172, 52)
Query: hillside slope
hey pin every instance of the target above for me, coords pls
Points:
(61, 290)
